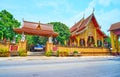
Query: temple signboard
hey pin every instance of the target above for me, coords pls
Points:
(13, 48)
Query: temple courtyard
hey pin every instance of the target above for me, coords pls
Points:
(41, 66)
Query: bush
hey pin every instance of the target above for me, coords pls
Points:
(22, 53)
(4, 52)
(48, 53)
(66, 53)
(75, 53)
(63, 53)
(57, 54)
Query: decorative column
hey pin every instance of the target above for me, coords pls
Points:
(102, 41)
(85, 38)
(74, 43)
(112, 40)
(22, 45)
(117, 43)
(78, 40)
(49, 44)
(95, 37)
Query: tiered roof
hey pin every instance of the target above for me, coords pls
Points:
(83, 23)
(33, 28)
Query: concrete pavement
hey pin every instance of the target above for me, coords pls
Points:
(53, 58)
(41, 66)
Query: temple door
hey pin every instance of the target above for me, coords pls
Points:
(90, 41)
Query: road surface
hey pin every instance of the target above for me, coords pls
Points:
(61, 67)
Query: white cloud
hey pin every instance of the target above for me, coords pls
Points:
(46, 4)
(57, 5)
(104, 2)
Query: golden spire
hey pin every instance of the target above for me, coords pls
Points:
(83, 15)
(75, 22)
(39, 22)
(39, 25)
(22, 19)
(93, 10)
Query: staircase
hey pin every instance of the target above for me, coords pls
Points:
(36, 53)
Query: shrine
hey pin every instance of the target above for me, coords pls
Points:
(39, 29)
(115, 33)
(87, 33)
(33, 28)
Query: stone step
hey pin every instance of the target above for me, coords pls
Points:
(36, 53)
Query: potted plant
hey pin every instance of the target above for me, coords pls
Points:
(75, 53)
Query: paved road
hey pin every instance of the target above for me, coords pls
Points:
(61, 67)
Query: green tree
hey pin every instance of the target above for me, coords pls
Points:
(7, 23)
(108, 39)
(33, 40)
(63, 30)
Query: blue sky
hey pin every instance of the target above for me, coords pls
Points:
(68, 12)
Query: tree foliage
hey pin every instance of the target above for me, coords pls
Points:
(63, 31)
(7, 23)
(33, 40)
(108, 39)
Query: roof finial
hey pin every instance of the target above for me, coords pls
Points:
(39, 23)
(23, 19)
(75, 22)
(93, 10)
(83, 15)
(38, 27)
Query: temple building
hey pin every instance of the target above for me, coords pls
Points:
(87, 33)
(115, 33)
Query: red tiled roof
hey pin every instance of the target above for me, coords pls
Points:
(31, 28)
(115, 26)
(34, 25)
(76, 25)
(101, 33)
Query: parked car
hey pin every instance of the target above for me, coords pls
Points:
(38, 47)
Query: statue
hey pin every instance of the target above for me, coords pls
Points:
(23, 37)
(50, 39)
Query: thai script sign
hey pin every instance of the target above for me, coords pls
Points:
(13, 48)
